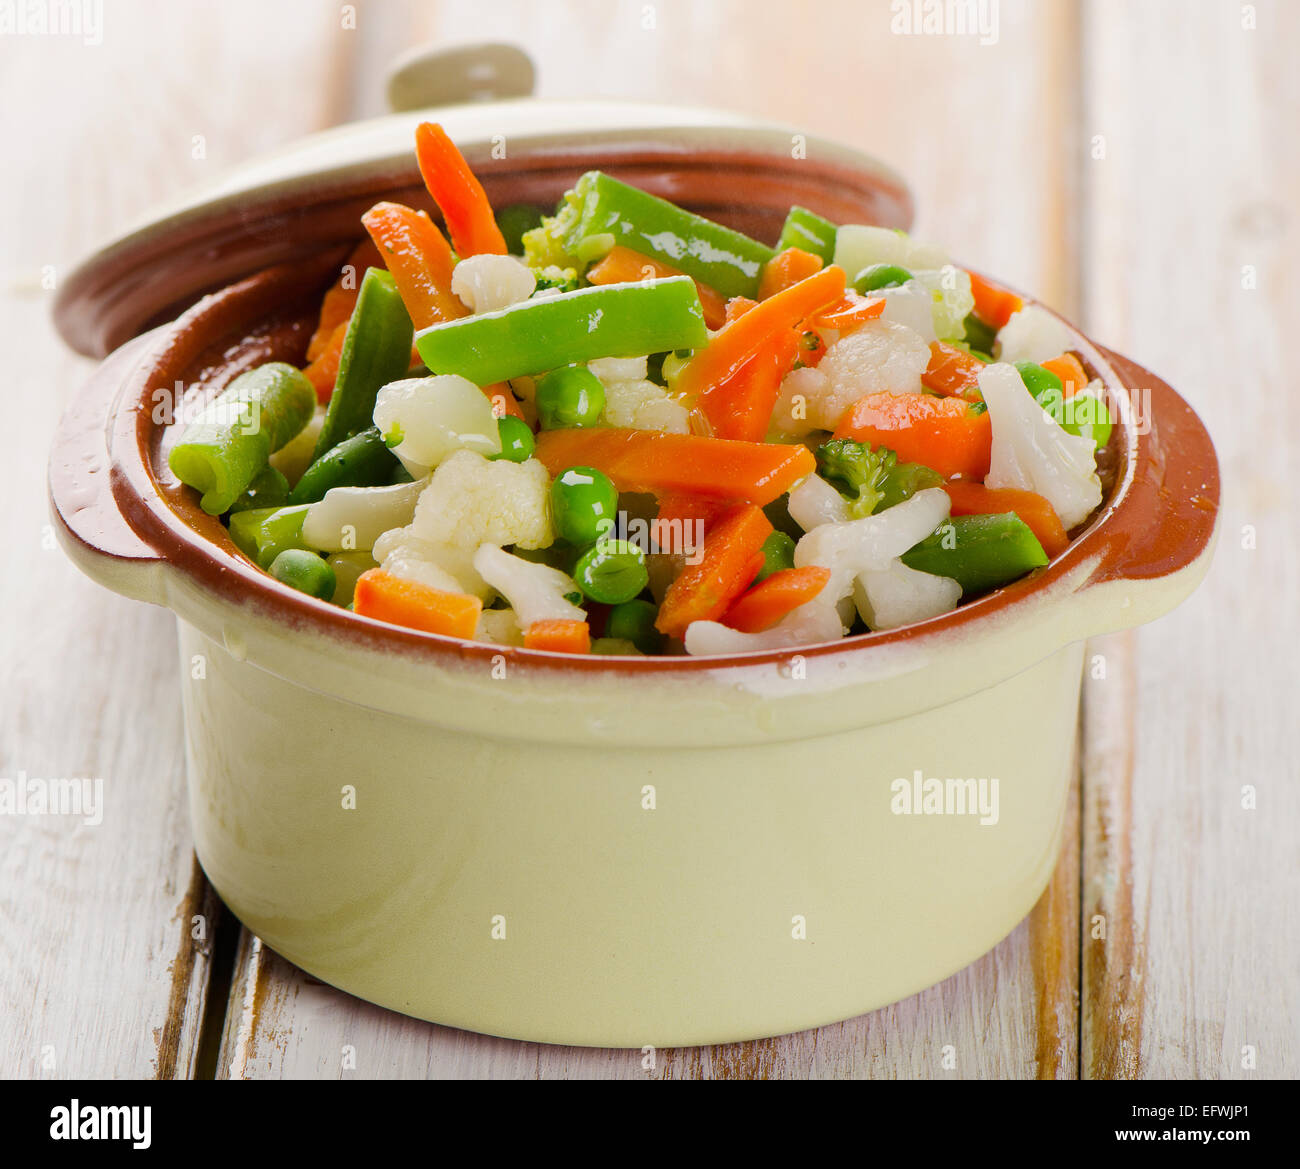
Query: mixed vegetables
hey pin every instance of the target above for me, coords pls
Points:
(626, 429)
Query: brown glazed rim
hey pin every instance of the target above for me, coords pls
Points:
(112, 490)
(151, 276)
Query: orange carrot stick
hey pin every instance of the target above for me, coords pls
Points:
(418, 257)
(622, 265)
(683, 521)
(398, 601)
(1070, 370)
(993, 304)
(771, 599)
(459, 195)
(738, 306)
(741, 406)
(785, 269)
(942, 433)
(324, 369)
(341, 299)
(559, 636)
(659, 463)
(952, 372)
(1037, 513)
(733, 344)
(847, 314)
(731, 558)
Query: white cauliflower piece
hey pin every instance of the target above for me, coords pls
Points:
(642, 405)
(472, 500)
(858, 246)
(799, 388)
(536, 592)
(499, 627)
(809, 624)
(880, 355)
(434, 416)
(351, 519)
(814, 502)
(619, 369)
(872, 543)
(440, 566)
(1033, 452)
(1032, 334)
(898, 595)
(911, 306)
(951, 299)
(488, 283)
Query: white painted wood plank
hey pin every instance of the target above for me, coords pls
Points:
(1192, 242)
(1001, 199)
(102, 975)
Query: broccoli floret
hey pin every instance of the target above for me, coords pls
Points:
(856, 471)
(565, 279)
(550, 245)
(871, 480)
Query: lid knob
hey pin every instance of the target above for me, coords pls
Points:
(441, 76)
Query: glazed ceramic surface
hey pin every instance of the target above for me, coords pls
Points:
(611, 851)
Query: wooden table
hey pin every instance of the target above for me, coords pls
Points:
(1135, 165)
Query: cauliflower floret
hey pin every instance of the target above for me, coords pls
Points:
(499, 627)
(870, 544)
(441, 566)
(488, 283)
(951, 299)
(858, 247)
(642, 405)
(880, 355)
(619, 369)
(814, 502)
(425, 419)
(912, 306)
(898, 595)
(809, 624)
(1033, 452)
(351, 519)
(536, 592)
(799, 388)
(472, 500)
(1032, 334)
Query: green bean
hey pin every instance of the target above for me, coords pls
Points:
(809, 231)
(228, 445)
(376, 351)
(363, 460)
(269, 488)
(979, 552)
(263, 533)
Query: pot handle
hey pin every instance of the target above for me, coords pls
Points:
(1159, 538)
(87, 519)
(433, 75)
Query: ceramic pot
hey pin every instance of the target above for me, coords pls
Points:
(586, 850)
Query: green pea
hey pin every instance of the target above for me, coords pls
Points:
(584, 505)
(611, 572)
(517, 444)
(979, 336)
(1039, 381)
(634, 621)
(569, 396)
(879, 276)
(304, 571)
(1087, 415)
(778, 553)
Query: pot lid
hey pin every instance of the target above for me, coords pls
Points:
(308, 197)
